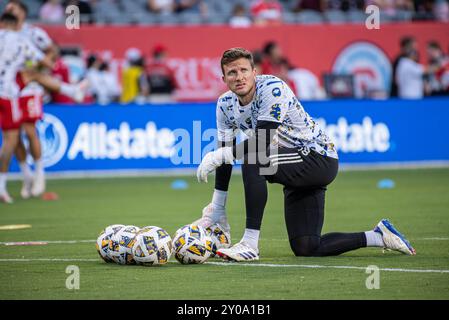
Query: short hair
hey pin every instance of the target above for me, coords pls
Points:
(233, 54)
(21, 4)
(406, 41)
(434, 45)
(268, 47)
(8, 18)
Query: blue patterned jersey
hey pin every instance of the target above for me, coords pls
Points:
(273, 101)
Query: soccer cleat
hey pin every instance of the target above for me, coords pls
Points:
(206, 219)
(27, 185)
(239, 252)
(393, 239)
(5, 197)
(80, 91)
(38, 185)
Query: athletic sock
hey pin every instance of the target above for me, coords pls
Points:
(219, 203)
(251, 237)
(374, 239)
(26, 170)
(2, 182)
(39, 166)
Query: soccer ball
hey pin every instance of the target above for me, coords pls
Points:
(102, 243)
(191, 244)
(153, 245)
(220, 238)
(121, 244)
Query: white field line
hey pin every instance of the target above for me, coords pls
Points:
(314, 266)
(234, 264)
(11, 243)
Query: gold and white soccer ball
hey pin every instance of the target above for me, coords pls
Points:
(220, 237)
(102, 243)
(153, 246)
(121, 244)
(192, 245)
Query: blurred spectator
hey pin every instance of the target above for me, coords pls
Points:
(306, 84)
(239, 17)
(284, 68)
(407, 43)
(438, 65)
(344, 5)
(273, 56)
(258, 59)
(60, 71)
(315, 5)
(410, 76)
(266, 12)
(161, 6)
(131, 75)
(159, 82)
(85, 8)
(106, 88)
(391, 7)
(441, 10)
(52, 11)
(191, 6)
(424, 9)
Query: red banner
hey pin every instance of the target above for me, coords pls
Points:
(194, 52)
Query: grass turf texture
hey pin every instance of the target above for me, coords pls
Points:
(418, 206)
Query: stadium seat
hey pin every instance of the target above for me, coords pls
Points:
(403, 15)
(33, 8)
(309, 17)
(356, 16)
(289, 18)
(190, 18)
(171, 19)
(335, 16)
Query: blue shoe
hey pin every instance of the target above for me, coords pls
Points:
(393, 239)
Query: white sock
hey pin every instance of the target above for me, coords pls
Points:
(251, 237)
(374, 239)
(67, 89)
(26, 170)
(2, 181)
(219, 203)
(39, 166)
(219, 198)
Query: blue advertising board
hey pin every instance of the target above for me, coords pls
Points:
(175, 136)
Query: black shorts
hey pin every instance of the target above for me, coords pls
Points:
(304, 174)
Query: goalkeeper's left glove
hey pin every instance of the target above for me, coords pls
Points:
(212, 161)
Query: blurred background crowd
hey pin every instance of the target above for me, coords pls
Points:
(236, 12)
(145, 77)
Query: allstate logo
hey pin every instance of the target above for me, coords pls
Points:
(369, 65)
(54, 139)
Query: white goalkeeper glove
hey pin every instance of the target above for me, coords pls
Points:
(212, 161)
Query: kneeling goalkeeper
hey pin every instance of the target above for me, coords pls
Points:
(284, 146)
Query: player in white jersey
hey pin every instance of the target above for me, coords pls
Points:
(31, 102)
(15, 52)
(286, 146)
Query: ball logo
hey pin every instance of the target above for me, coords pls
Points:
(54, 139)
(370, 67)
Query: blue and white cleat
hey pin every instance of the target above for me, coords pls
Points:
(239, 252)
(393, 239)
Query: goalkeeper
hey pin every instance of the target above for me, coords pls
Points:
(284, 146)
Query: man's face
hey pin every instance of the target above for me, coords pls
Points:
(16, 11)
(239, 76)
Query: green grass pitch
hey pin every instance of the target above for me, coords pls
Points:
(418, 206)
